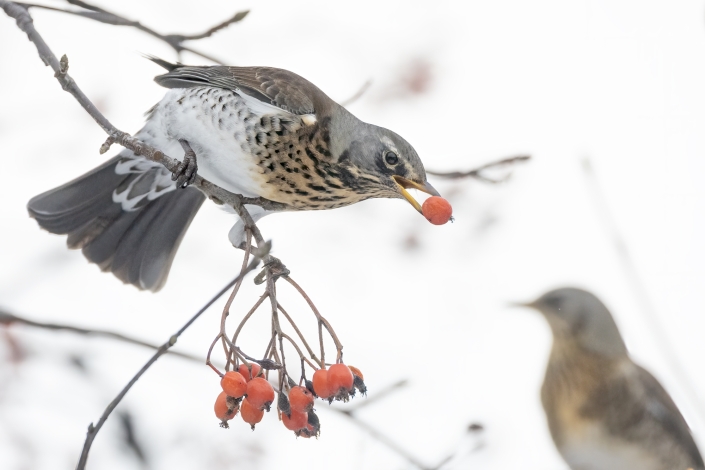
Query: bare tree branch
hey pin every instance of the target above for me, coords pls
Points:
(7, 318)
(175, 41)
(477, 173)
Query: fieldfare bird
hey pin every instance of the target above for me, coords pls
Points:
(256, 131)
(604, 411)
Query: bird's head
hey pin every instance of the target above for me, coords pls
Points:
(383, 163)
(577, 315)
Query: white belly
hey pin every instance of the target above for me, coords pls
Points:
(215, 122)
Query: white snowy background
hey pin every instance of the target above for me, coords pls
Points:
(617, 82)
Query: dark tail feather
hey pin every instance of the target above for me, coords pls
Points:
(136, 246)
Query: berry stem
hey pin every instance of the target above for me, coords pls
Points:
(226, 309)
(298, 350)
(321, 320)
(245, 318)
(208, 357)
(301, 336)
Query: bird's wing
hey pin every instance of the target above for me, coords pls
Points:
(662, 409)
(276, 87)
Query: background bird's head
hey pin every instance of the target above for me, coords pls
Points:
(578, 316)
(382, 161)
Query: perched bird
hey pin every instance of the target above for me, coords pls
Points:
(256, 131)
(604, 411)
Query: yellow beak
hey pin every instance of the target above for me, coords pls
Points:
(405, 184)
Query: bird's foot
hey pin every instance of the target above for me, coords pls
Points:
(185, 173)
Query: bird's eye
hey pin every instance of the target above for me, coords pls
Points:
(391, 158)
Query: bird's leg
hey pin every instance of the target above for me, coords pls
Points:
(185, 173)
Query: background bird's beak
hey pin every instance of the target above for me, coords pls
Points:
(403, 184)
(523, 304)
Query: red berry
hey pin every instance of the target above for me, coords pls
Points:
(222, 409)
(250, 414)
(260, 393)
(250, 371)
(437, 210)
(234, 384)
(357, 372)
(340, 380)
(297, 420)
(320, 383)
(300, 399)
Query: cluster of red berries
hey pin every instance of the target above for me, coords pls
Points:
(338, 382)
(248, 392)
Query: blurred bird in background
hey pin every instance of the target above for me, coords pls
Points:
(256, 131)
(604, 411)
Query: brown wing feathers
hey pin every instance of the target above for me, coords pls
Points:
(277, 87)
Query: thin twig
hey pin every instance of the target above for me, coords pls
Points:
(357, 94)
(175, 41)
(208, 357)
(270, 345)
(239, 16)
(276, 327)
(477, 172)
(8, 318)
(93, 430)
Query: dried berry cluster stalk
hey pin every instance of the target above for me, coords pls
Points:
(339, 382)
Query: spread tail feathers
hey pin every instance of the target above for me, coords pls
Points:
(138, 246)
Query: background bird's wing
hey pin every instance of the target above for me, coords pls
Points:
(277, 87)
(660, 406)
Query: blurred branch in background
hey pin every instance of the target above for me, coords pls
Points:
(506, 165)
(350, 413)
(639, 289)
(9, 319)
(175, 41)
